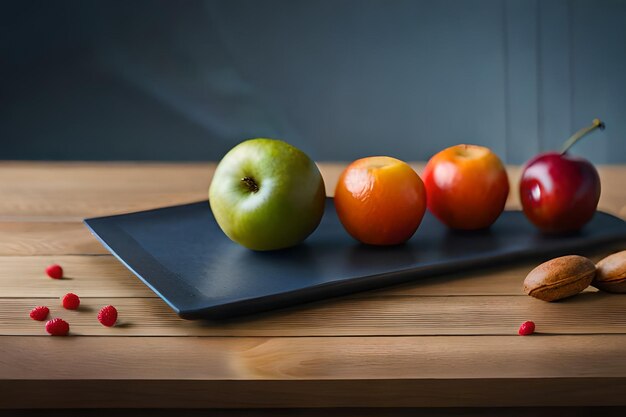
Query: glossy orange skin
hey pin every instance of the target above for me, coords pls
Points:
(380, 200)
(467, 187)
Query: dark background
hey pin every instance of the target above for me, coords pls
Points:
(342, 79)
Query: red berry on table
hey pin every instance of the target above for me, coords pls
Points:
(528, 327)
(57, 327)
(39, 313)
(54, 271)
(70, 301)
(107, 316)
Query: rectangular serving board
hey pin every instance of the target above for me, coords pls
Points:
(183, 256)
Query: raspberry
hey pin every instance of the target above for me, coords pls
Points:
(528, 327)
(54, 271)
(107, 316)
(70, 301)
(57, 327)
(39, 313)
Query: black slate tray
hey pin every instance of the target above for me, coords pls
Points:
(183, 256)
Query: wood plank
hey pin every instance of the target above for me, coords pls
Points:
(73, 191)
(313, 358)
(48, 238)
(588, 313)
(613, 196)
(89, 276)
(79, 190)
(105, 276)
(313, 372)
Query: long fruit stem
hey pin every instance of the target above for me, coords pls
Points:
(597, 123)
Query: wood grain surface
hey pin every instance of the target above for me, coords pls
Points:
(438, 342)
(73, 191)
(24, 238)
(359, 315)
(315, 372)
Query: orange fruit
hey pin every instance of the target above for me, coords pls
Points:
(380, 200)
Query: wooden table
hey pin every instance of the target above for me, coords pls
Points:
(446, 341)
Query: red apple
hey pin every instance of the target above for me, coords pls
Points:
(466, 187)
(560, 192)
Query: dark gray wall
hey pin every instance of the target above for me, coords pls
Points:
(341, 79)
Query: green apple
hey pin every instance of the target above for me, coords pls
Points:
(267, 194)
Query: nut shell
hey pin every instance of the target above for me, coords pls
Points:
(560, 278)
(611, 273)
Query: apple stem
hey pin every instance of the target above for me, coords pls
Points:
(597, 123)
(250, 184)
